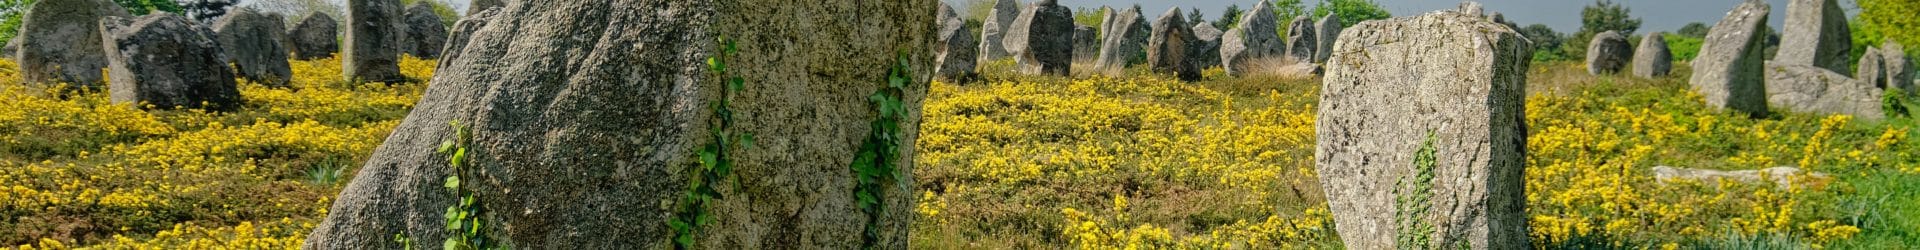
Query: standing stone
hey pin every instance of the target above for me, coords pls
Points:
(1608, 53)
(1085, 43)
(1455, 81)
(315, 37)
(1899, 68)
(1253, 39)
(1813, 89)
(1300, 40)
(1125, 43)
(954, 54)
(1041, 39)
(1329, 31)
(1872, 70)
(165, 61)
(426, 34)
(462, 33)
(1171, 45)
(1727, 71)
(59, 41)
(252, 42)
(993, 30)
(1652, 59)
(482, 5)
(1206, 53)
(552, 154)
(1816, 34)
(1107, 17)
(374, 34)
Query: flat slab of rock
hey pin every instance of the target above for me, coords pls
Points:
(1328, 29)
(1300, 40)
(315, 37)
(1780, 176)
(1125, 43)
(1608, 53)
(1728, 70)
(166, 61)
(1041, 40)
(426, 34)
(1456, 79)
(993, 30)
(1251, 41)
(59, 41)
(1806, 88)
(1172, 46)
(252, 42)
(954, 54)
(1816, 34)
(1653, 58)
(375, 32)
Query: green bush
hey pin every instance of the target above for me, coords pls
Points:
(1684, 47)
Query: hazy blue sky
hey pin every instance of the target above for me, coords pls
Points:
(1562, 15)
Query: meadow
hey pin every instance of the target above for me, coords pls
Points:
(1008, 162)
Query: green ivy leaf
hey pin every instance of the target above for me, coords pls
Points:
(713, 64)
(709, 159)
(445, 146)
(737, 83)
(453, 182)
(459, 155)
(746, 140)
(452, 243)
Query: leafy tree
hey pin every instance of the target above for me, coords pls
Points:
(1089, 17)
(142, 7)
(1602, 16)
(11, 11)
(1880, 20)
(1694, 29)
(1351, 11)
(1546, 42)
(1284, 11)
(1684, 48)
(1229, 17)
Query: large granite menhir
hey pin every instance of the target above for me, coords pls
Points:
(164, 61)
(1728, 70)
(1207, 50)
(1329, 31)
(993, 30)
(375, 33)
(1816, 34)
(252, 43)
(315, 37)
(1125, 42)
(1300, 40)
(1608, 53)
(1252, 40)
(59, 41)
(1391, 86)
(1652, 59)
(1171, 49)
(1041, 39)
(426, 34)
(954, 54)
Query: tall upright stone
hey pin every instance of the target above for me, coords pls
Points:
(1041, 39)
(1125, 42)
(1172, 46)
(375, 31)
(59, 41)
(315, 37)
(1816, 34)
(1899, 67)
(251, 40)
(1608, 53)
(993, 30)
(1206, 53)
(1727, 71)
(954, 54)
(482, 5)
(166, 61)
(552, 151)
(1329, 31)
(1300, 40)
(1446, 83)
(1253, 39)
(1086, 43)
(1107, 16)
(1807, 88)
(426, 34)
(1653, 58)
(1872, 69)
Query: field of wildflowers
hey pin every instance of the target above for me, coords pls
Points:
(1009, 161)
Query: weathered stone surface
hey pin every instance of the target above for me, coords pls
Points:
(1782, 176)
(426, 34)
(1125, 43)
(1329, 31)
(595, 152)
(1300, 40)
(1872, 69)
(59, 41)
(1899, 67)
(1807, 88)
(1652, 59)
(462, 33)
(1471, 8)
(375, 32)
(317, 36)
(251, 40)
(1206, 52)
(1390, 84)
(1728, 70)
(954, 54)
(1041, 39)
(993, 30)
(1253, 39)
(166, 61)
(1107, 17)
(482, 5)
(1608, 53)
(1086, 43)
(1816, 34)
(1172, 45)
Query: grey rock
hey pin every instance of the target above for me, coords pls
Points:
(317, 36)
(1253, 39)
(1807, 88)
(59, 41)
(1900, 68)
(166, 61)
(1471, 8)
(461, 34)
(1125, 43)
(1172, 46)
(1781, 177)
(1207, 50)
(251, 40)
(1872, 69)
(1107, 16)
(1653, 58)
(1086, 43)
(1608, 53)
(1816, 34)
(1041, 40)
(375, 32)
(1728, 70)
(553, 152)
(426, 34)
(1389, 85)
(482, 5)
(1329, 31)
(1300, 40)
(954, 54)
(993, 30)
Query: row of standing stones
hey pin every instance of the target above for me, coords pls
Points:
(1810, 73)
(166, 61)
